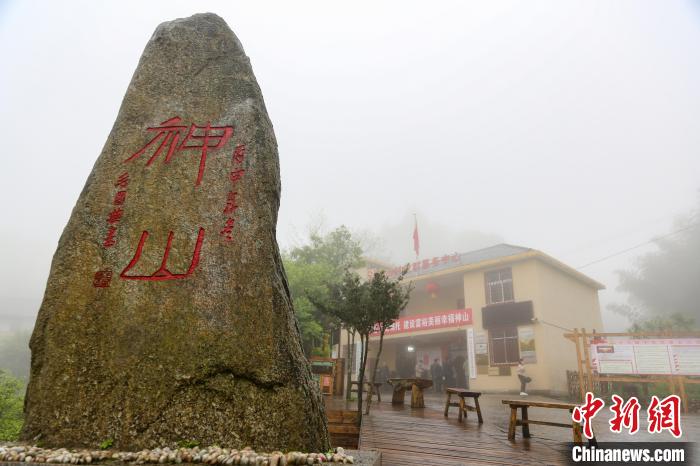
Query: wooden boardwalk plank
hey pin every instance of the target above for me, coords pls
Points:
(411, 437)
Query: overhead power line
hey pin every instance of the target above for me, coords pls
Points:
(639, 245)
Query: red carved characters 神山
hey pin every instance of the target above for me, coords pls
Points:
(201, 138)
(163, 273)
(172, 137)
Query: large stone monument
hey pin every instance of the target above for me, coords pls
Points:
(167, 315)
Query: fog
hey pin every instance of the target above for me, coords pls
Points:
(566, 126)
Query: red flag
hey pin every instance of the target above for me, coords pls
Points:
(416, 240)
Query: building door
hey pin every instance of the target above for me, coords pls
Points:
(405, 362)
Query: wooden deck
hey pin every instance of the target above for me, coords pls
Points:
(423, 437)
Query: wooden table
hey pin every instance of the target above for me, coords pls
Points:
(463, 393)
(416, 385)
(525, 422)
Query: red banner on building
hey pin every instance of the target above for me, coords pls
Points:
(433, 320)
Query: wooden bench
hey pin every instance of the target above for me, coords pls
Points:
(376, 391)
(463, 393)
(343, 429)
(525, 421)
(416, 385)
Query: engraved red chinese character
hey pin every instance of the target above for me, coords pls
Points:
(585, 414)
(236, 175)
(239, 153)
(625, 415)
(163, 273)
(231, 205)
(170, 132)
(200, 138)
(119, 198)
(115, 215)
(665, 415)
(102, 278)
(123, 180)
(227, 231)
(109, 240)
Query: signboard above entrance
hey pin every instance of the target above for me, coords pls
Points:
(433, 320)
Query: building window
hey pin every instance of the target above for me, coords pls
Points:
(499, 286)
(504, 345)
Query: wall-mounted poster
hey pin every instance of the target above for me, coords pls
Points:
(526, 339)
(481, 353)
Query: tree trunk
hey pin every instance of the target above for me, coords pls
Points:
(325, 344)
(351, 355)
(374, 371)
(361, 381)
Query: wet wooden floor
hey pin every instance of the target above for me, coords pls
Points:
(424, 437)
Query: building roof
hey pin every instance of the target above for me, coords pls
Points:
(493, 256)
(492, 252)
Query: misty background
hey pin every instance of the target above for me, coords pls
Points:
(566, 126)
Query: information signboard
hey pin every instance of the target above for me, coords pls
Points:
(646, 356)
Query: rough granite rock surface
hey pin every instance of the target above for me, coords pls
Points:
(147, 348)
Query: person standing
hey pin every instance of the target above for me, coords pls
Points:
(448, 374)
(524, 379)
(419, 369)
(436, 374)
(460, 376)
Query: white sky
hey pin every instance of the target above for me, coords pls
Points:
(566, 126)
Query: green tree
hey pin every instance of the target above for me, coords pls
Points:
(11, 406)
(338, 249)
(663, 291)
(308, 278)
(363, 307)
(348, 303)
(387, 298)
(310, 270)
(661, 324)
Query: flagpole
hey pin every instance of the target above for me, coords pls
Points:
(416, 239)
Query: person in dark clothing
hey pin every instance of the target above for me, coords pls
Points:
(448, 374)
(458, 368)
(436, 374)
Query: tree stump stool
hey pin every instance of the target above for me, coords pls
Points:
(415, 384)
